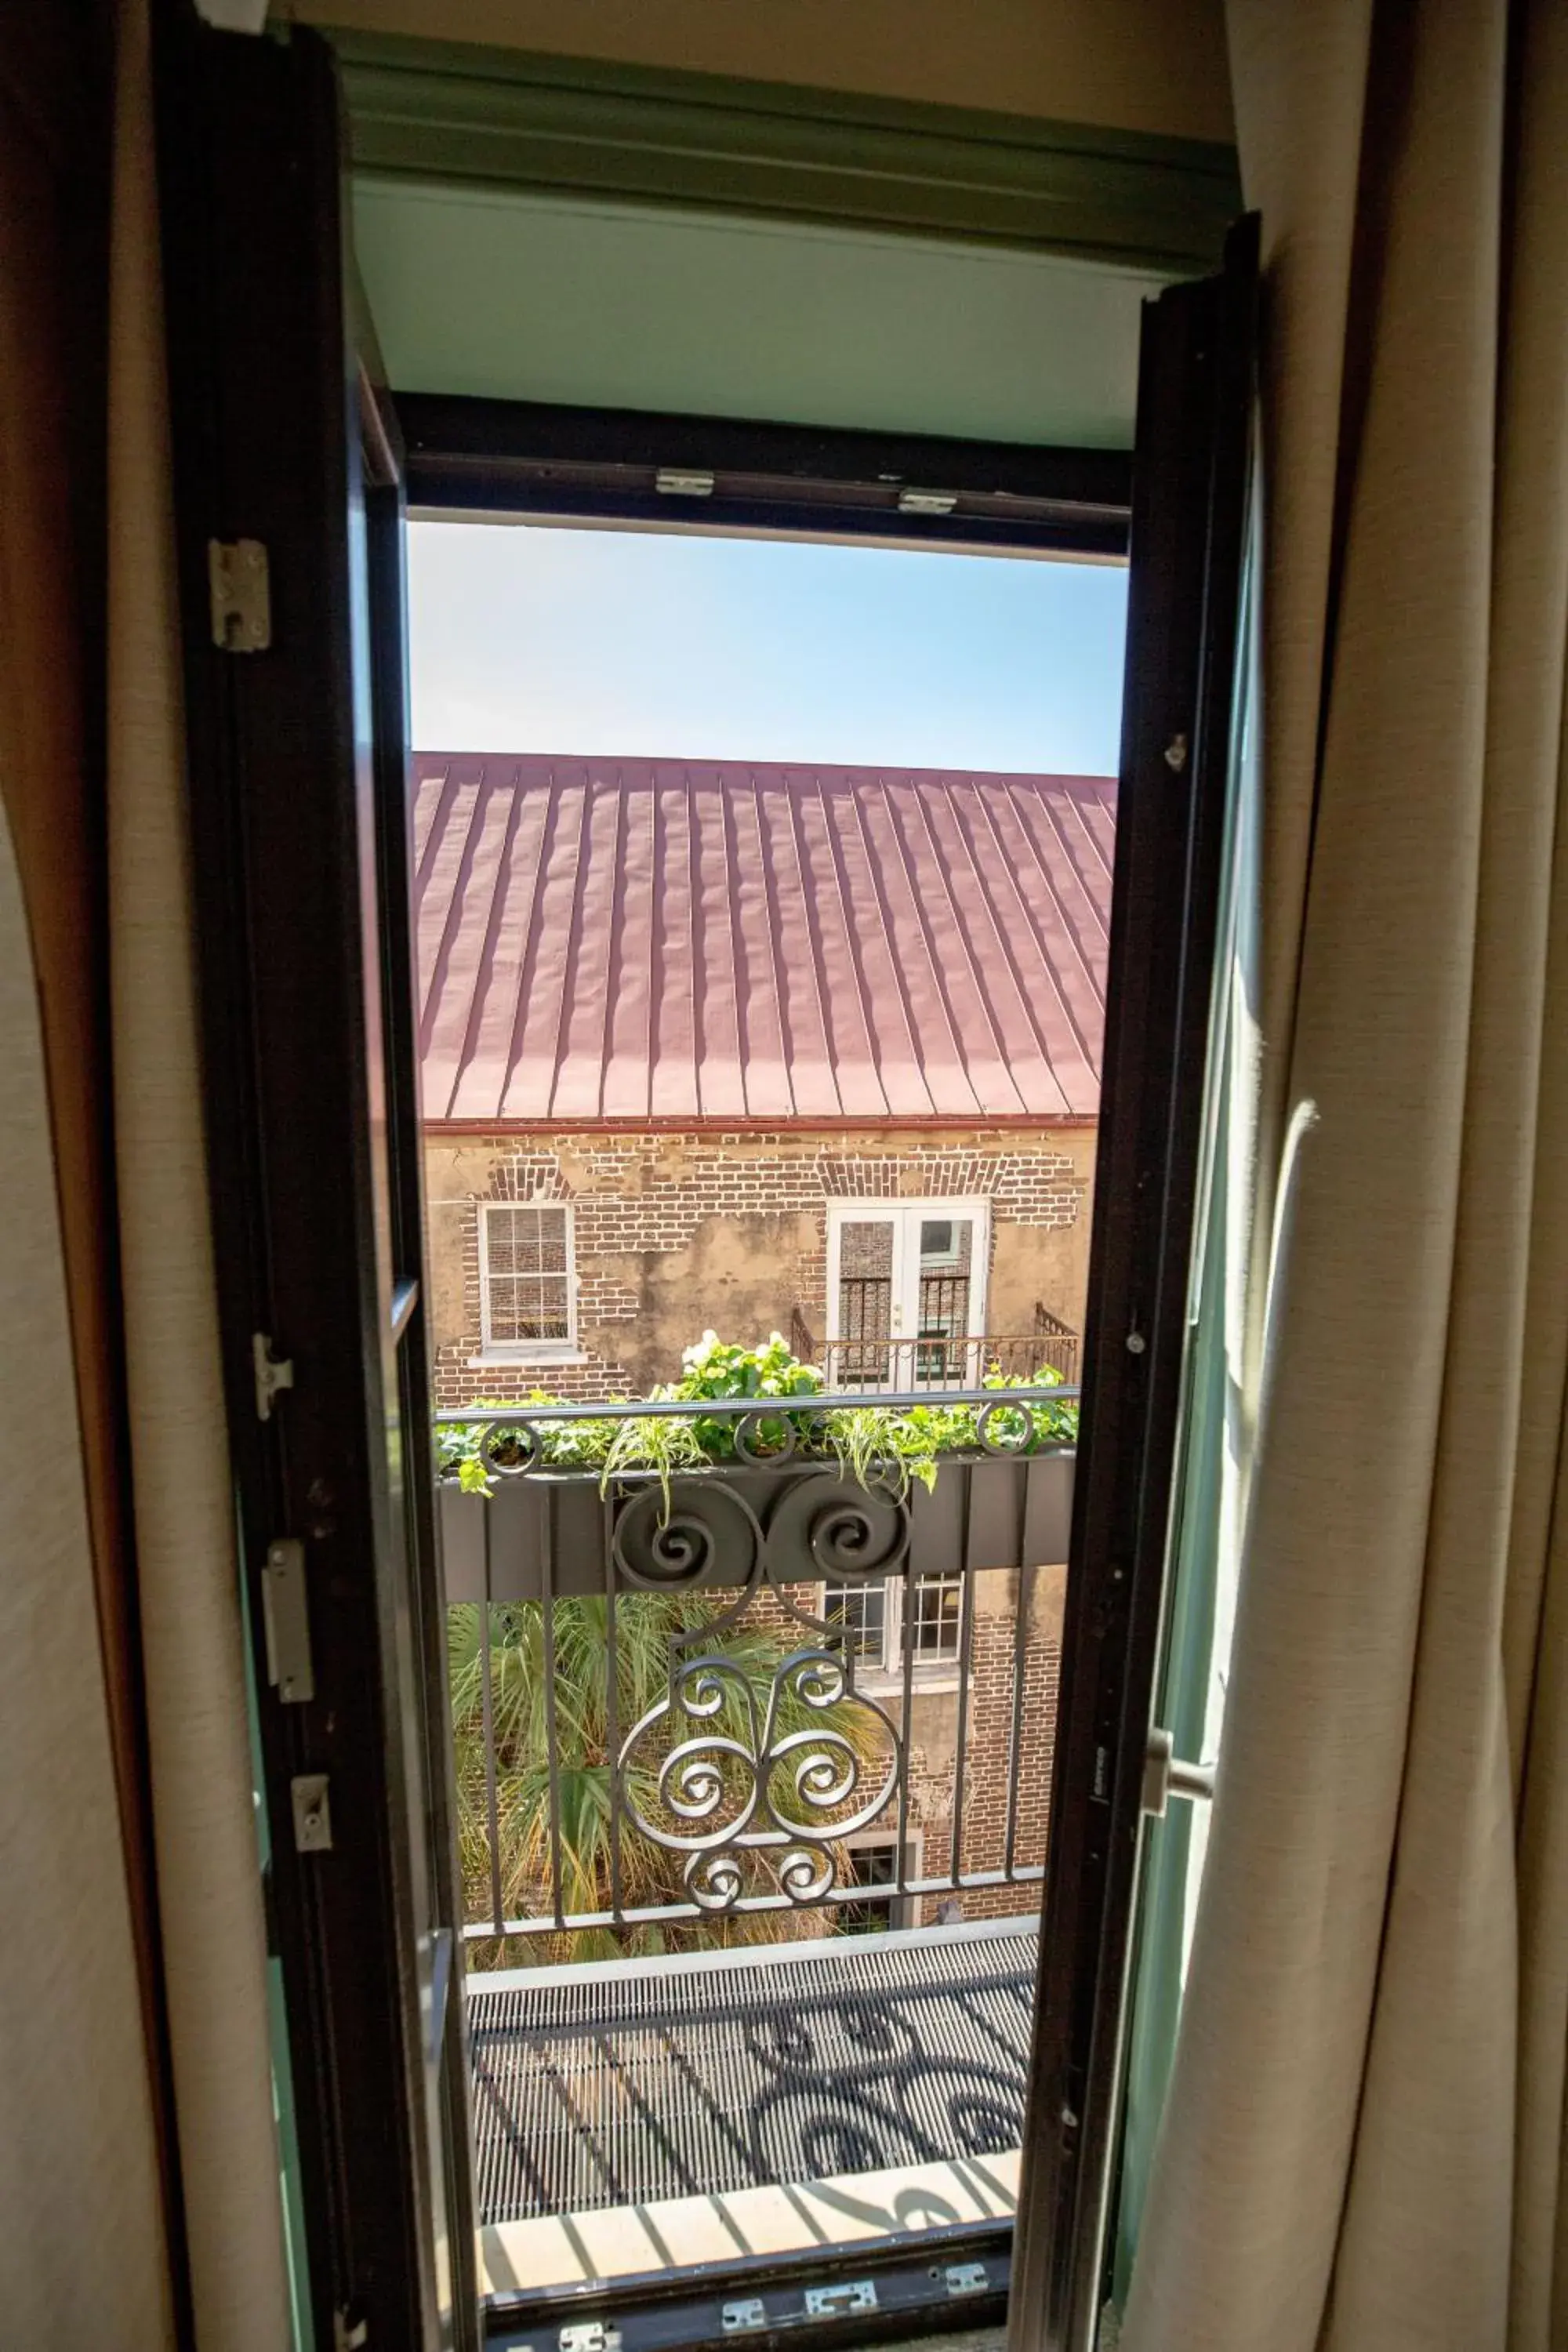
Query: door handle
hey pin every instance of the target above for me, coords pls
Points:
(1167, 1775)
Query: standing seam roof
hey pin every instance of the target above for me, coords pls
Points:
(627, 940)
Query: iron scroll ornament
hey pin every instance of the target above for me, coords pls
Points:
(735, 1770)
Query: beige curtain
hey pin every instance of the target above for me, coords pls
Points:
(81, 2228)
(82, 2241)
(1363, 2145)
(209, 1888)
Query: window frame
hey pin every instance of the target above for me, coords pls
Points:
(908, 1858)
(929, 1675)
(915, 1211)
(565, 1350)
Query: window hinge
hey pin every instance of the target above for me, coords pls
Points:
(286, 1622)
(1166, 1775)
(927, 503)
(240, 588)
(846, 2299)
(683, 482)
(272, 1374)
(350, 2334)
(313, 1813)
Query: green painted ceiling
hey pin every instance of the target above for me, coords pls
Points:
(519, 294)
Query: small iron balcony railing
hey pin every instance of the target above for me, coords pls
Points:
(788, 1679)
(934, 1357)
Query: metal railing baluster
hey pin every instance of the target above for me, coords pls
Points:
(656, 1537)
(612, 1707)
(960, 1760)
(906, 1644)
(487, 1720)
(552, 1744)
(1016, 1730)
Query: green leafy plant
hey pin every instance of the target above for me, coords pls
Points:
(582, 1734)
(889, 1445)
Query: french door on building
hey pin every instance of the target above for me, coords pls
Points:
(290, 528)
(906, 1293)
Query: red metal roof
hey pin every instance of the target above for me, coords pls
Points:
(636, 939)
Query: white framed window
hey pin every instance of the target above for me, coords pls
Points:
(857, 1613)
(528, 1282)
(873, 1860)
(877, 1619)
(935, 1614)
(906, 1293)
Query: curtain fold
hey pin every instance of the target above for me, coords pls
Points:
(209, 1888)
(82, 2213)
(1362, 2145)
(81, 2225)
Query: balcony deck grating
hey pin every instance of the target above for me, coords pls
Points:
(624, 2085)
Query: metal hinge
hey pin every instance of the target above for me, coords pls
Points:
(286, 1622)
(927, 503)
(272, 1374)
(241, 591)
(312, 1814)
(966, 2278)
(683, 482)
(591, 2335)
(349, 2334)
(841, 2301)
(744, 2316)
(1166, 1775)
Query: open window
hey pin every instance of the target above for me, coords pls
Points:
(483, 1881)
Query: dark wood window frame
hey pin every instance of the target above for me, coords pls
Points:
(1177, 508)
(251, 266)
(707, 473)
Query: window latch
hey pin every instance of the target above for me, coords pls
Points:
(286, 1622)
(309, 1797)
(240, 590)
(272, 1374)
(1165, 1775)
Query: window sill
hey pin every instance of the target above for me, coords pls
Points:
(503, 1359)
(926, 1682)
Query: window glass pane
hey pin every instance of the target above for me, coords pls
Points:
(936, 1606)
(858, 1614)
(865, 1301)
(526, 1266)
(868, 1866)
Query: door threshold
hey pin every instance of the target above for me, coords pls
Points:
(935, 2283)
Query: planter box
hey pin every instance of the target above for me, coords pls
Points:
(553, 1531)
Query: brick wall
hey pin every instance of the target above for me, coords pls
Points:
(678, 1232)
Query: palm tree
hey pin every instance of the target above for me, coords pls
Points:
(644, 1627)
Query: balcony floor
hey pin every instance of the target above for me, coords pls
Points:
(629, 2084)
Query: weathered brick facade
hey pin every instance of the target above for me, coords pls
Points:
(675, 1233)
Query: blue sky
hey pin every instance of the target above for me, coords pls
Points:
(673, 645)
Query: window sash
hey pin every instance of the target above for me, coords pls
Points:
(527, 1303)
(878, 1620)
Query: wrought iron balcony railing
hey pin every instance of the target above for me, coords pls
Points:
(767, 1672)
(934, 1358)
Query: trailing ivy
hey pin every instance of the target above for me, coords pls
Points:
(887, 1444)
